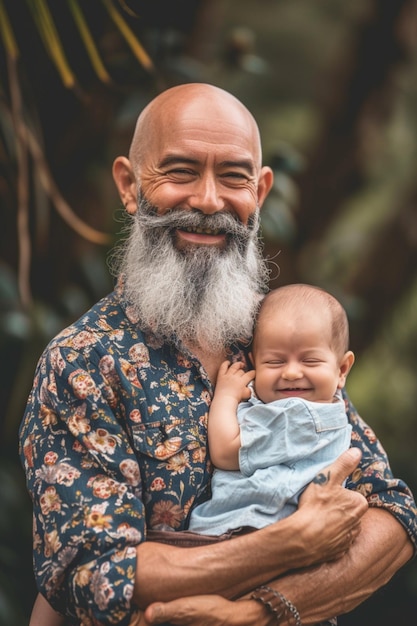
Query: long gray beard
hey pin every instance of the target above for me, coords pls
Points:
(201, 296)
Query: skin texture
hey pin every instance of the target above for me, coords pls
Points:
(197, 148)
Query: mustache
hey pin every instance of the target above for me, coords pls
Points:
(225, 222)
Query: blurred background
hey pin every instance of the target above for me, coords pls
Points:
(333, 85)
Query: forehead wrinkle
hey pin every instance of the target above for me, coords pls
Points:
(228, 136)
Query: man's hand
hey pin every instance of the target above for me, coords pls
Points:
(207, 611)
(330, 514)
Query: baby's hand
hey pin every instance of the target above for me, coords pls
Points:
(233, 380)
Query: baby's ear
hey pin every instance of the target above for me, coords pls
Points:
(345, 367)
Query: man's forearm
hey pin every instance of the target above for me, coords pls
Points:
(165, 572)
(318, 593)
(323, 528)
(339, 586)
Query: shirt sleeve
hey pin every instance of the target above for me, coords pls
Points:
(374, 478)
(84, 480)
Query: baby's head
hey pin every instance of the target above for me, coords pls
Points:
(300, 345)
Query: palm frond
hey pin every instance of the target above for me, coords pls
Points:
(134, 44)
(6, 33)
(88, 41)
(49, 34)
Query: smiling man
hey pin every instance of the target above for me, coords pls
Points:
(195, 188)
(128, 453)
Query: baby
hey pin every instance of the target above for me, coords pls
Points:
(293, 424)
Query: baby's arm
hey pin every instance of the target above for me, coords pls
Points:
(223, 428)
(44, 615)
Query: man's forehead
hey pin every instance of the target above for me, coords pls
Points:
(210, 114)
(196, 137)
(215, 123)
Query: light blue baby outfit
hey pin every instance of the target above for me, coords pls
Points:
(284, 445)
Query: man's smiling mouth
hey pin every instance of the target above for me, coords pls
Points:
(203, 231)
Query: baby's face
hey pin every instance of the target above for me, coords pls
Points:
(293, 357)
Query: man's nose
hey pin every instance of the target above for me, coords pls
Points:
(206, 195)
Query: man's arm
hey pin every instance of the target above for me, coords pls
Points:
(337, 587)
(318, 592)
(321, 529)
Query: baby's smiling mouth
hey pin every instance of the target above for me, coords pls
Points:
(294, 390)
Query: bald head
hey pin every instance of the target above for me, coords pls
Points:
(204, 105)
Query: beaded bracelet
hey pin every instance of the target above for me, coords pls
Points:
(276, 603)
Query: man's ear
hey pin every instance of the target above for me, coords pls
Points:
(344, 368)
(265, 182)
(126, 183)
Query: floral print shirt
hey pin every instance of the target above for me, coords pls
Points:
(114, 441)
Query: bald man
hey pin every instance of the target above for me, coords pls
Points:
(114, 438)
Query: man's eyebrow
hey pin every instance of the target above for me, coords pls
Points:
(244, 164)
(171, 159)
